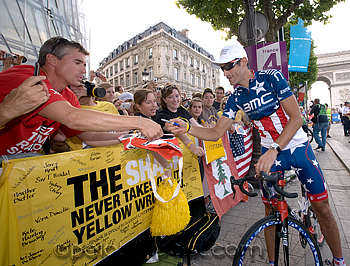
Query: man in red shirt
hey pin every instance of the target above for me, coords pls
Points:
(63, 63)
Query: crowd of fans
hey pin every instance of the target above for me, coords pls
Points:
(151, 102)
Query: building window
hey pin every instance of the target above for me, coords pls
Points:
(111, 71)
(192, 79)
(115, 68)
(136, 81)
(184, 58)
(191, 61)
(127, 79)
(150, 71)
(176, 73)
(150, 52)
(176, 54)
(203, 81)
(197, 64)
(115, 81)
(136, 59)
(198, 82)
(203, 68)
(128, 62)
(121, 65)
(122, 82)
(184, 76)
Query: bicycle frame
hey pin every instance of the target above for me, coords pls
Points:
(281, 230)
(281, 213)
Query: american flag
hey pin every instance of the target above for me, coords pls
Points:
(242, 150)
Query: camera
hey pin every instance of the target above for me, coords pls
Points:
(125, 105)
(97, 74)
(8, 55)
(13, 56)
(93, 91)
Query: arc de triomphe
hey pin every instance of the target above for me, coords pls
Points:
(334, 70)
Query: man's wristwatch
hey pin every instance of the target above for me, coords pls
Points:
(276, 147)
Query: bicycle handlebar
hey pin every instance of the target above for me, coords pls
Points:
(272, 178)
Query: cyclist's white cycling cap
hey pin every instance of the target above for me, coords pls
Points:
(229, 53)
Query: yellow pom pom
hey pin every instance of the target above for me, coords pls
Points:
(171, 217)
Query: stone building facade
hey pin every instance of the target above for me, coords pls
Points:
(167, 55)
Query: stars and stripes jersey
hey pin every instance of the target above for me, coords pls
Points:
(262, 103)
(303, 161)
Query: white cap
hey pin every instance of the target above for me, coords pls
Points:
(126, 96)
(229, 53)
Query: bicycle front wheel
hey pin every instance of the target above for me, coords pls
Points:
(302, 247)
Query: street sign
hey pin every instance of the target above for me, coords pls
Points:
(268, 56)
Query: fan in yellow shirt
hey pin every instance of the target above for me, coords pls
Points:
(88, 102)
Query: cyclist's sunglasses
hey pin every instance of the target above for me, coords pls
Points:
(228, 66)
(58, 42)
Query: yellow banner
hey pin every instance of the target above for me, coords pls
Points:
(213, 150)
(77, 207)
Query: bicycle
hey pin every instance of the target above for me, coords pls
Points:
(308, 132)
(294, 243)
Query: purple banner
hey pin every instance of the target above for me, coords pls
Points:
(268, 56)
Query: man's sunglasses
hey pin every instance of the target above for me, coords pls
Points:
(228, 66)
(58, 41)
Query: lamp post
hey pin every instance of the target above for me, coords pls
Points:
(249, 12)
(145, 76)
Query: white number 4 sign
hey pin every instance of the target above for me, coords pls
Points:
(269, 57)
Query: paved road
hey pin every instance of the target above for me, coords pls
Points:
(335, 162)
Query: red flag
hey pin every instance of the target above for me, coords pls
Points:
(218, 175)
(166, 147)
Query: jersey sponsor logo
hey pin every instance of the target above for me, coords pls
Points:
(284, 90)
(256, 103)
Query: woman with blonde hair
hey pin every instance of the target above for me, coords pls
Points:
(195, 108)
(222, 106)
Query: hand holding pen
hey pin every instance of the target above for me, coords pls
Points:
(177, 126)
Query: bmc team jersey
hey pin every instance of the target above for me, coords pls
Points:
(262, 103)
(28, 132)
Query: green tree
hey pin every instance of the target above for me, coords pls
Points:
(226, 15)
(221, 174)
(296, 78)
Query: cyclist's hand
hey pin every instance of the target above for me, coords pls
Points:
(176, 129)
(266, 161)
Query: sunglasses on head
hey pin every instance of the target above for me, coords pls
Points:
(228, 66)
(60, 40)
